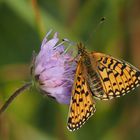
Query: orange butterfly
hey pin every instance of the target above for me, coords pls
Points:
(101, 76)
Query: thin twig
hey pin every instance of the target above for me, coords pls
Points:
(13, 96)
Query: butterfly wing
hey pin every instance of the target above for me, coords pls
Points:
(117, 77)
(82, 105)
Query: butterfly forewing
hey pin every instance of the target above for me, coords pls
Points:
(82, 105)
(117, 77)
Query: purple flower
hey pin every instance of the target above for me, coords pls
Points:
(54, 70)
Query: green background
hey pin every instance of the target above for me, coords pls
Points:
(24, 23)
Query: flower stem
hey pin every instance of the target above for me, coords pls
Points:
(13, 96)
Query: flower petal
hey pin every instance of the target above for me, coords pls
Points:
(55, 69)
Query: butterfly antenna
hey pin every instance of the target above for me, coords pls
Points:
(102, 20)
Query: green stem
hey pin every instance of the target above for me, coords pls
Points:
(13, 96)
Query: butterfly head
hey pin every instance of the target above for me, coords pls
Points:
(81, 49)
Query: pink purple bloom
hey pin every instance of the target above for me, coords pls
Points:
(54, 70)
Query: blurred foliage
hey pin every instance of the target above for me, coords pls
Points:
(23, 23)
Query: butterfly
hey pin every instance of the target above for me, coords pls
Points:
(101, 76)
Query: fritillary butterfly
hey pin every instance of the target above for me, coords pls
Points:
(101, 76)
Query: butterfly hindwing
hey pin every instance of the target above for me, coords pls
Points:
(82, 105)
(117, 77)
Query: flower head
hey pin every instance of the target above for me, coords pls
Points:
(54, 70)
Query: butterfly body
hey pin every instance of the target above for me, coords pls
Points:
(90, 70)
(101, 76)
